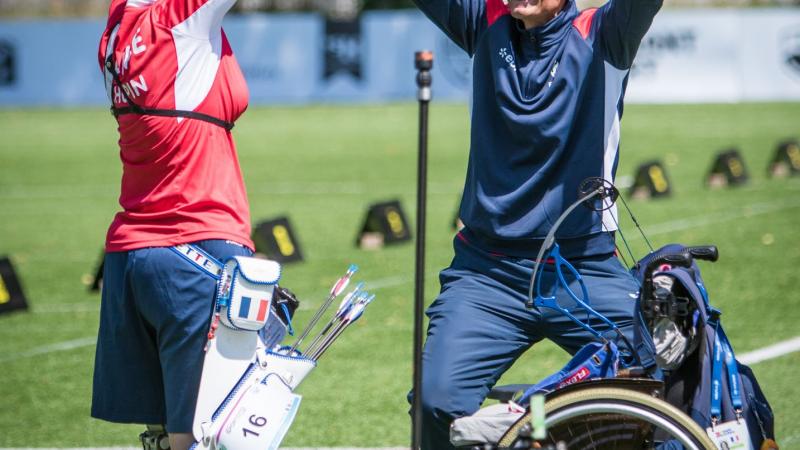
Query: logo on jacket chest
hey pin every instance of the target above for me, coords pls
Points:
(507, 56)
(552, 74)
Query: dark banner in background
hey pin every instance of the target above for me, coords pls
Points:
(343, 55)
(8, 64)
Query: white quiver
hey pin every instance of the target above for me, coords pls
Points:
(246, 399)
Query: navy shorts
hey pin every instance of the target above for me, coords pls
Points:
(154, 319)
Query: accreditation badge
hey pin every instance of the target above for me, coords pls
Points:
(731, 435)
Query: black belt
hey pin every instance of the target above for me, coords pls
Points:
(135, 109)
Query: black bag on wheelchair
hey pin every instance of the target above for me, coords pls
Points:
(676, 322)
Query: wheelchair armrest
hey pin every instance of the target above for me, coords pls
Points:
(644, 385)
(507, 392)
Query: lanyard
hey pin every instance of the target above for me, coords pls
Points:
(722, 345)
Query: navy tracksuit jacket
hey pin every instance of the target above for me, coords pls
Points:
(546, 109)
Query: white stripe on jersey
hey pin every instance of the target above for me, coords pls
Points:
(139, 3)
(198, 47)
(109, 77)
(613, 90)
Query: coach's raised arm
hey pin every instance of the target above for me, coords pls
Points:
(461, 20)
(622, 25)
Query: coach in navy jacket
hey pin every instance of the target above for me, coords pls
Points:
(548, 90)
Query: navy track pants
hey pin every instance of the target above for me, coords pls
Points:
(479, 326)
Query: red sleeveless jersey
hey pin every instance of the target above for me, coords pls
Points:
(181, 180)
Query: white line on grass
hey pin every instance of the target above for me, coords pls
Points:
(91, 307)
(665, 227)
(66, 191)
(771, 352)
(381, 283)
(373, 285)
(139, 448)
(49, 192)
(754, 357)
(50, 348)
(58, 191)
(790, 440)
(754, 209)
(67, 308)
(347, 188)
(87, 341)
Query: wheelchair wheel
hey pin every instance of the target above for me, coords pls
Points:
(613, 418)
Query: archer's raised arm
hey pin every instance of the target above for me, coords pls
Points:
(461, 20)
(624, 24)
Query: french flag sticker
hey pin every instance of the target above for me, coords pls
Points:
(244, 310)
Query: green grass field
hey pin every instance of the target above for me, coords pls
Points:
(322, 166)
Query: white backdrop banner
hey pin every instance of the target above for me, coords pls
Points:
(689, 56)
(722, 55)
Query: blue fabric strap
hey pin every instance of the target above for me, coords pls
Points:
(200, 259)
(716, 379)
(289, 327)
(733, 372)
(722, 348)
(703, 292)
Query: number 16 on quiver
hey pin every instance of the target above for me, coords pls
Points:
(261, 417)
(261, 408)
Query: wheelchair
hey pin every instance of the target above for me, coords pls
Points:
(625, 411)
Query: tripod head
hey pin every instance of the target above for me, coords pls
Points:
(423, 62)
